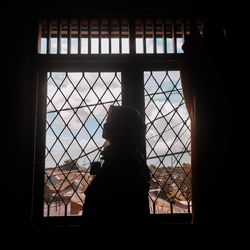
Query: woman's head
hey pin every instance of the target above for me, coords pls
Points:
(124, 125)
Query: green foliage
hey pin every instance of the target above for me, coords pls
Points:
(69, 165)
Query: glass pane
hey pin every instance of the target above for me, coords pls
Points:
(84, 45)
(105, 45)
(125, 46)
(74, 46)
(114, 45)
(139, 45)
(168, 143)
(77, 104)
(94, 46)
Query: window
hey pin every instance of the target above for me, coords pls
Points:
(84, 66)
(77, 105)
(168, 143)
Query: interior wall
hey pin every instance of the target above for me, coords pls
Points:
(217, 136)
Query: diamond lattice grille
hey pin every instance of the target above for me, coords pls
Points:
(167, 143)
(77, 105)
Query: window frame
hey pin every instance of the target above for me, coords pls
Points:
(132, 67)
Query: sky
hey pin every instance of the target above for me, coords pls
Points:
(162, 118)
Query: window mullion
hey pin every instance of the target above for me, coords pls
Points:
(39, 141)
(133, 90)
(132, 36)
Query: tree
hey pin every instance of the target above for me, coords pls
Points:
(69, 165)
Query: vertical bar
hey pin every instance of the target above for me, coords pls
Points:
(99, 36)
(48, 36)
(32, 129)
(174, 36)
(48, 210)
(109, 35)
(184, 29)
(193, 26)
(164, 36)
(40, 138)
(154, 35)
(39, 37)
(69, 38)
(89, 36)
(133, 92)
(144, 35)
(120, 34)
(58, 36)
(132, 36)
(65, 209)
(79, 36)
(127, 34)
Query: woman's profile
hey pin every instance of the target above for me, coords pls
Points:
(118, 194)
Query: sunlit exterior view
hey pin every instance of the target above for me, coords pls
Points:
(77, 105)
(168, 143)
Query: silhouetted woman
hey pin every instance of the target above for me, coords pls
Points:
(118, 195)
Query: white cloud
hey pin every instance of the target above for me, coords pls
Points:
(168, 132)
(69, 98)
(166, 121)
(174, 76)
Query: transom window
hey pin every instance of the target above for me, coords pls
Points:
(112, 36)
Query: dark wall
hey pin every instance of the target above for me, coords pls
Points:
(18, 46)
(19, 23)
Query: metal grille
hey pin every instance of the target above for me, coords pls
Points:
(162, 36)
(113, 36)
(167, 143)
(77, 104)
(84, 36)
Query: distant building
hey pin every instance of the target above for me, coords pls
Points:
(64, 194)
